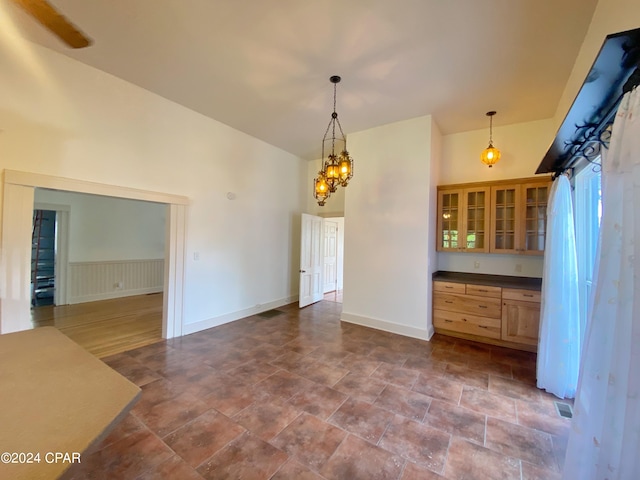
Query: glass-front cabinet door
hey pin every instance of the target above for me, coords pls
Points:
(505, 219)
(476, 220)
(449, 220)
(535, 196)
(463, 219)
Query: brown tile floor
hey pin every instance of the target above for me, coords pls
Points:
(303, 396)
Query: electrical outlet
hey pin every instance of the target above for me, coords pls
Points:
(196, 256)
(476, 264)
(518, 267)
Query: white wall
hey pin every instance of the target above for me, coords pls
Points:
(60, 117)
(388, 229)
(522, 145)
(106, 228)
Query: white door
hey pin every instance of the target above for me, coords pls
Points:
(311, 262)
(330, 256)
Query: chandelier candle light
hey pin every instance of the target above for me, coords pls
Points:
(336, 170)
(491, 154)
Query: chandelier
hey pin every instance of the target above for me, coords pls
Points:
(491, 154)
(336, 170)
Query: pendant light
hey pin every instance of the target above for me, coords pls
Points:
(491, 154)
(337, 170)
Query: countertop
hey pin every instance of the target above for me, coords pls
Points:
(504, 281)
(55, 399)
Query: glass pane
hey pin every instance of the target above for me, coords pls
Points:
(471, 199)
(542, 212)
(480, 198)
(446, 200)
(500, 197)
(511, 197)
(509, 241)
(454, 200)
(542, 195)
(479, 240)
(480, 215)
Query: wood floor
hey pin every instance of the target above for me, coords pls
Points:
(107, 327)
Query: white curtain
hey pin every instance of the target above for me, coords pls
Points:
(559, 345)
(605, 432)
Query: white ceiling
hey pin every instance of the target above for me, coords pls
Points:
(263, 66)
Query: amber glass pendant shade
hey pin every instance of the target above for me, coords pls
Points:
(321, 190)
(491, 154)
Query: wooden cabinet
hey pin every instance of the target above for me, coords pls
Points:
(467, 310)
(507, 217)
(520, 316)
(519, 217)
(487, 313)
(463, 219)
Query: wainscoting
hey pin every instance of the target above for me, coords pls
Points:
(91, 281)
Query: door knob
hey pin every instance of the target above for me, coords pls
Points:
(303, 271)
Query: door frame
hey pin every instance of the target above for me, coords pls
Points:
(15, 258)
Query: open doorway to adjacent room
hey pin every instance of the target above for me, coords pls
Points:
(97, 269)
(333, 258)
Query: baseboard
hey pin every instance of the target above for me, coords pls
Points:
(387, 326)
(233, 316)
(115, 294)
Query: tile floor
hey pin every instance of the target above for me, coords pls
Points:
(301, 395)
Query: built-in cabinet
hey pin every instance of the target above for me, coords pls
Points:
(487, 312)
(463, 219)
(520, 316)
(507, 217)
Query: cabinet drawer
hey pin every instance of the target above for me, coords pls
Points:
(484, 291)
(470, 304)
(522, 295)
(450, 287)
(464, 323)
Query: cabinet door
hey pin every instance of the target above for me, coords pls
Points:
(476, 219)
(534, 214)
(449, 220)
(505, 220)
(520, 322)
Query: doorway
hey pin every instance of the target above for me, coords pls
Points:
(333, 258)
(17, 218)
(43, 258)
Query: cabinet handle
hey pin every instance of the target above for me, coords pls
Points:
(482, 326)
(481, 290)
(483, 306)
(449, 321)
(527, 295)
(448, 286)
(464, 319)
(448, 301)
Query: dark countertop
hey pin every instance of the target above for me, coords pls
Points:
(504, 281)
